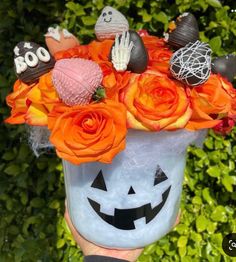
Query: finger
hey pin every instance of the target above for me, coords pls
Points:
(177, 219)
(131, 45)
(122, 41)
(127, 39)
(116, 47)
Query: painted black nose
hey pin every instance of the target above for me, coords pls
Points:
(131, 191)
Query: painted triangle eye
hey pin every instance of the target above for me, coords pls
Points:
(99, 182)
(160, 176)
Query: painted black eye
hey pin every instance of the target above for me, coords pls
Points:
(99, 182)
(110, 12)
(104, 14)
(160, 176)
(131, 191)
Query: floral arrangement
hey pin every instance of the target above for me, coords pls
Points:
(150, 101)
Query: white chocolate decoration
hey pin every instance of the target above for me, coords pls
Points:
(110, 23)
(43, 54)
(66, 33)
(121, 52)
(31, 61)
(16, 51)
(59, 39)
(54, 33)
(20, 64)
(27, 45)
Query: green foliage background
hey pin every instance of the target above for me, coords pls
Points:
(32, 194)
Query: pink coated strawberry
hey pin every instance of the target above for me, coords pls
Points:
(76, 80)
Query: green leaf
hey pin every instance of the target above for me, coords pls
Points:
(215, 43)
(150, 249)
(8, 156)
(60, 243)
(182, 251)
(197, 200)
(214, 3)
(88, 20)
(182, 241)
(201, 223)
(214, 171)
(228, 182)
(219, 214)
(37, 202)
(161, 17)
(99, 94)
(12, 170)
(146, 17)
(55, 204)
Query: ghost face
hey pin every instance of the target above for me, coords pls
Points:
(107, 16)
(110, 23)
(132, 202)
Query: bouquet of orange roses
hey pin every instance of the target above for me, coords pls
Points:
(94, 98)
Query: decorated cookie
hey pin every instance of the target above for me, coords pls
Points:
(110, 23)
(192, 63)
(129, 53)
(31, 61)
(226, 66)
(183, 31)
(76, 80)
(58, 39)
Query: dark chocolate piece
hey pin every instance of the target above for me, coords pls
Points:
(31, 61)
(226, 66)
(139, 55)
(192, 64)
(186, 31)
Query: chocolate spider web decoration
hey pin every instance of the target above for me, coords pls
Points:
(192, 61)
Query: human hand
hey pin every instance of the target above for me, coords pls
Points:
(89, 248)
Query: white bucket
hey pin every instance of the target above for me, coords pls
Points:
(135, 200)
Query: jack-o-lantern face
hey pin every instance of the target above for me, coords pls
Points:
(135, 200)
(124, 218)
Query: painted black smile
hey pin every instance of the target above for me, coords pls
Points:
(107, 21)
(124, 218)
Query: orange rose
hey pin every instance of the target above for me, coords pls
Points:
(113, 81)
(17, 100)
(158, 52)
(159, 60)
(153, 42)
(154, 102)
(80, 51)
(100, 51)
(211, 101)
(94, 132)
(43, 97)
(32, 103)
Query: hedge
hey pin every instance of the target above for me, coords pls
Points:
(32, 227)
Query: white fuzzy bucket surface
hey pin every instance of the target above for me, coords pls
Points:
(135, 200)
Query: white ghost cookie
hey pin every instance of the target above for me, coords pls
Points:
(110, 23)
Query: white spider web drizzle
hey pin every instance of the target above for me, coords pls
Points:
(193, 60)
(38, 138)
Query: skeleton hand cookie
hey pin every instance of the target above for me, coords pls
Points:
(121, 51)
